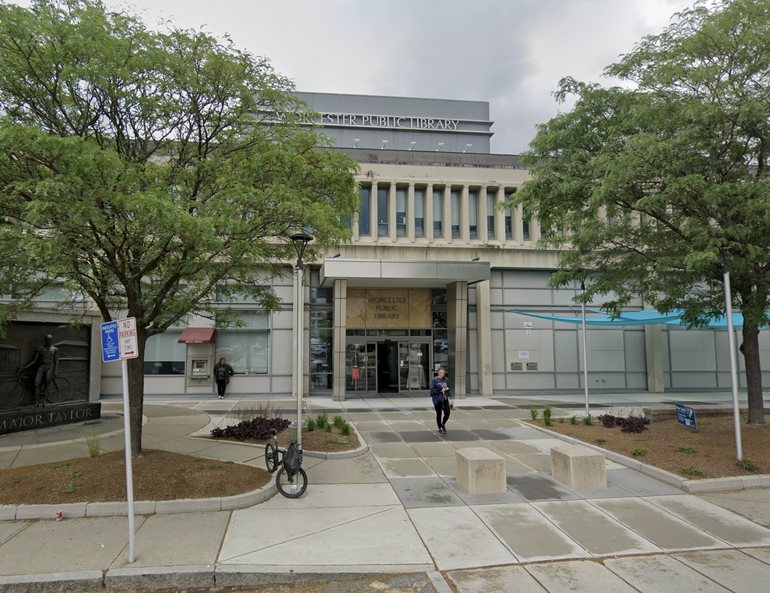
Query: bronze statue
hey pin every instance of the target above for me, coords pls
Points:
(47, 359)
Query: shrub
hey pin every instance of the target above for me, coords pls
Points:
(258, 428)
(638, 451)
(608, 420)
(93, 443)
(547, 416)
(588, 420)
(573, 420)
(339, 422)
(345, 430)
(323, 422)
(311, 424)
(562, 420)
(691, 470)
(635, 424)
(748, 465)
(533, 411)
(601, 441)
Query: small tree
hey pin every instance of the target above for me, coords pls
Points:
(661, 184)
(152, 170)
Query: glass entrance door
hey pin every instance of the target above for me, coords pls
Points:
(387, 366)
(361, 367)
(413, 365)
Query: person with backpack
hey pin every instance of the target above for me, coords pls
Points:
(443, 400)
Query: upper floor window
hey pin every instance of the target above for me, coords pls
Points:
(438, 213)
(454, 201)
(419, 213)
(491, 213)
(400, 212)
(382, 211)
(365, 219)
(473, 214)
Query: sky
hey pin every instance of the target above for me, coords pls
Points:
(511, 53)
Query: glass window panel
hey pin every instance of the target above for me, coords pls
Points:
(364, 220)
(490, 214)
(164, 355)
(382, 212)
(438, 296)
(473, 214)
(401, 212)
(256, 318)
(321, 296)
(246, 350)
(419, 213)
(454, 203)
(321, 319)
(321, 350)
(440, 349)
(438, 213)
(525, 225)
(508, 224)
(439, 319)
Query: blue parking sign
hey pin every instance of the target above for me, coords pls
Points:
(686, 415)
(110, 346)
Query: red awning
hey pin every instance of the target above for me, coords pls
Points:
(197, 335)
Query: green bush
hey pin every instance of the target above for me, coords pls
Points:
(339, 422)
(547, 416)
(588, 420)
(748, 465)
(562, 420)
(311, 424)
(573, 420)
(691, 470)
(345, 430)
(638, 451)
(322, 421)
(533, 411)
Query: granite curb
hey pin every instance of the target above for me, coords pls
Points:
(247, 575)
(174, 578)
(730, 484)
(61, 582)
(141, 507)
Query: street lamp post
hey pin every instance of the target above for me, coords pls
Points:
(585, 351)
(300, 241)
(733, 362)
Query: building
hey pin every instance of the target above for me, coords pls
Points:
(432, 260)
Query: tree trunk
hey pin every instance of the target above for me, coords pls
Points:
(750, 349)
(136, 397)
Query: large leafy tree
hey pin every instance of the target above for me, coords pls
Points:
(662, 183)
(152, 170)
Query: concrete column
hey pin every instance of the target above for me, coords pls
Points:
(354, 226)
(499, 216)
(465, 229)
(447, 224)
(534, 229)
(338, 359)
(457, 326)
(429, 213)
(484, 333)
(392, 212)
(373, 211)
(653, 342)
(518, 221)
(482, 214)
(410, 212)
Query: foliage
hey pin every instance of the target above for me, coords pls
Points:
(748, 465)
(688, 450)
(632, 424)
(258, 428)
(573, 420)
(562, 420)
(69, 489)
(135, 167)
(692, 470)
(93, 443)
(588, 420)
(533, 411)
(547, 416)
(345, 430)
(311, 424)
(657, 185)
(638, 451)
(601, 441)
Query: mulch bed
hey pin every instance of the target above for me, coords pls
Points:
(158, 475)
(711, 448)
(316, 440)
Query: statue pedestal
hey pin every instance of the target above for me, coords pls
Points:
(35, 418)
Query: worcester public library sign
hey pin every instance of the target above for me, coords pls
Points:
(388, 121)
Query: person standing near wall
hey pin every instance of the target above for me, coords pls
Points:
(223, 373)
(442, 399)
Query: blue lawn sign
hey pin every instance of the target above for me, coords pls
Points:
(110, 347)
(686, 416)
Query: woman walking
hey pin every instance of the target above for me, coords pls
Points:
(442, 396)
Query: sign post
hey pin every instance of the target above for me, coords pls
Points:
(119, 343)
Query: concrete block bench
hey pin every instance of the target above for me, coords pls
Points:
(480, 471)
(578, 467)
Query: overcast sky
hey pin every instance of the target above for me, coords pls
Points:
(510, 53)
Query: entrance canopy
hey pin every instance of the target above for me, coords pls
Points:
(646, 317)
(197, 335)
(376, 273)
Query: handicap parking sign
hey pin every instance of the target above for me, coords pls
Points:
(686, 415)
(110, 346)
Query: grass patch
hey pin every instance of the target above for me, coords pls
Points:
(692, 470)
(638, 451)
(601, 441)
(748, 465)
(688, 450)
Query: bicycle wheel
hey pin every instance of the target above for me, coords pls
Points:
(11, 394)
(293, 487)
(271, 457)
(58, 391)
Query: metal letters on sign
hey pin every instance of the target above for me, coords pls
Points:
(110, 349)
(686, 416)
(127, 338)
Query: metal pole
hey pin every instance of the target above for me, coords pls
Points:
(733, 363)
(129, 467)
(300, 310)
(585, 351)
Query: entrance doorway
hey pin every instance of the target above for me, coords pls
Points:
(387, 366)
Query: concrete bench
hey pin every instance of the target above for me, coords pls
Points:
(480, 471)
(578, 467)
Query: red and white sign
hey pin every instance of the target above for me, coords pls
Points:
(127, 338)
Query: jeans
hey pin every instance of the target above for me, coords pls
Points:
(221, 386)
(442, 407)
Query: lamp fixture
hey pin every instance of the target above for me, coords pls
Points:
(440, 144)
(476, 259)
(356, 141)
(384, 143)
(334, 256)
(467, 147)
(411, 145)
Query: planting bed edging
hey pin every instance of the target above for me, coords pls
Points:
(729, 484)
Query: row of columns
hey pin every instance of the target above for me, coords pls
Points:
(464, 216)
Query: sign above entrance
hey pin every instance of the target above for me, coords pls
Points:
(382, 308)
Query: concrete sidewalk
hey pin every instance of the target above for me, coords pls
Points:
(398, 509)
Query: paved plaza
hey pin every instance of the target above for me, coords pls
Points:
(398, 509)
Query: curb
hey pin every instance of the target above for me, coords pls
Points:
(141, 507)
(172, 578)
(55, 582)
(731, 484)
